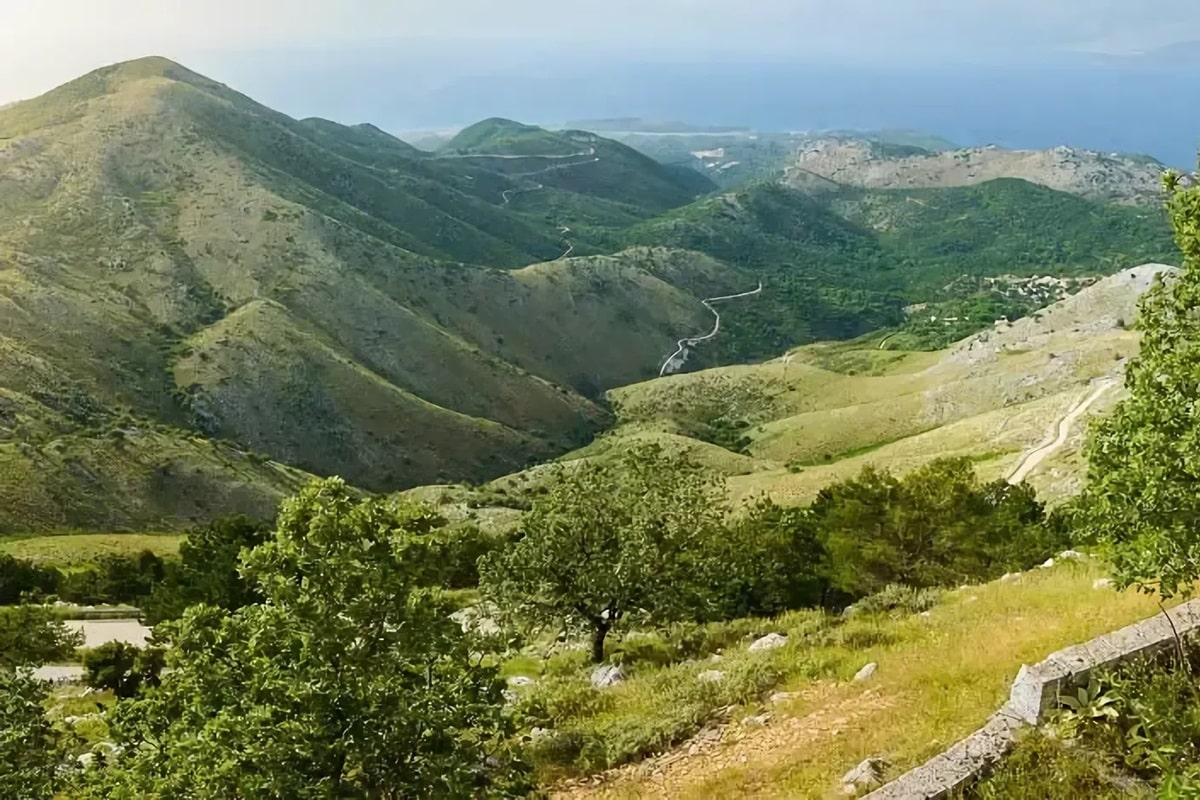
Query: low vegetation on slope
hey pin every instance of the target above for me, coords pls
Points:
(789, 427)
(835, 266)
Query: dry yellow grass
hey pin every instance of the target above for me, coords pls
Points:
(938, 679)
(69, 549)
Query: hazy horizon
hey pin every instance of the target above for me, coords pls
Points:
(1010, 72)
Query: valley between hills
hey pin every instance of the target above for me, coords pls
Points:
(254, 299)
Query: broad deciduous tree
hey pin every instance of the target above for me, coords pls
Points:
(612, 543)
(345, 681)
(1143, 493)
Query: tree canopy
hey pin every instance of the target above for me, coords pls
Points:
(1142, 499)
(613, 543)
(934, 527)
(346, 680)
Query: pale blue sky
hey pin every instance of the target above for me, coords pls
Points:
(45, 42)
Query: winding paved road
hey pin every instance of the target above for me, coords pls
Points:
(591, 151)
(677, 358)
(1052, 441)
(507, 195)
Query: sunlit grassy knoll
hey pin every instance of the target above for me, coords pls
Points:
(939, 678)
(997, 437)
(69, 549)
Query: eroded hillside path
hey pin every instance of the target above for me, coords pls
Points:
(1057, 436)
(814, 717)
(676, 359)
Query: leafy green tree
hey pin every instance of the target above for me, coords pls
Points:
(770, 561)
(1142, 498)
(936, 526)
(207, 570)
(114, 579)
(19, 577)
(631, 540)
(123, 668)
(345, 681)
(31, 636)
(30, 751)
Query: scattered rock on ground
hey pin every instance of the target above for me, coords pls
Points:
(756, 721)
(1068, 554)
(866, 672)
(769, 642)
(607, 675)
(710, 676)
(521, 680)
(1047, 564)
(1102, 583)
(864, 777)
(704, 739)
(1009, 577)
(780, 697)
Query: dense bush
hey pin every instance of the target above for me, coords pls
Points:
(207, 569)
(123, 668)
(897, 598)
(20, 579)
(771, 561)
(113, 579)
(937, 526)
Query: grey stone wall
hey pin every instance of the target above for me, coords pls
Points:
(1034, 695)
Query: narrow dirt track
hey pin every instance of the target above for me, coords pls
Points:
(1057, 436)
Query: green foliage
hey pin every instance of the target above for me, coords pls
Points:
(454, 553)
(113, 579)
(347, 680)
(898, 598)
(30, 751)
(32, 636)
(613, 543)
(207, 570)
(20, 578)
(771, 561)
(1141, 499)
(123, 668)
(1136, 727)
(937, 526)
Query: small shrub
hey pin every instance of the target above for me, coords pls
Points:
(692, 640)
(555, 701)
(896, 599)
(645, 649)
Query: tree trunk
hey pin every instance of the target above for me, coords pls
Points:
(598, 637)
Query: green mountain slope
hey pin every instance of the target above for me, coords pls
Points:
(193, 263)
(576, 161)
(838, 263)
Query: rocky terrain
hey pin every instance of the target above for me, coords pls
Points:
(1109, 177)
